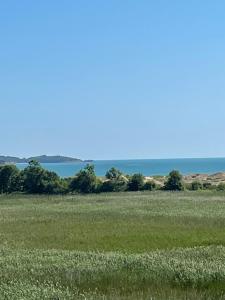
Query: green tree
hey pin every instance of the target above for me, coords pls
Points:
(85, 181)
(221, 187)
(113, 174)
(9, 179)
(174, 182)
(38, 180)
(207, 186)
(149, 186)
(114, 185)
(196, 185)
(51, 183)
(136, 182)
(116, 181)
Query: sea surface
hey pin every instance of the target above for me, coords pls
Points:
(147, 167)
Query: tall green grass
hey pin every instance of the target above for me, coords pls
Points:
(113, 246)
(72, 274)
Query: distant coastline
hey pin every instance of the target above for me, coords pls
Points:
(147, 167)
(40, 159)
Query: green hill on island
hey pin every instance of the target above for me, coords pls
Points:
(40, 159)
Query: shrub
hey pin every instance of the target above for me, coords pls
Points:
(174, 182)
(115, 185)
(99, 184)
(9, 179)
(35, 180)
(149, 186)
(113, 174)
(207, 186)
(136, 182)
(221, 187)
(108, 186)
(85, 181)
(116, 181)
(196, 185)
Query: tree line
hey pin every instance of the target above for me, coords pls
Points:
(36, 180)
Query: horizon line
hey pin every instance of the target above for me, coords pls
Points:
(120, 159)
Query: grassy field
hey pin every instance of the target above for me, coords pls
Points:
(144, 245)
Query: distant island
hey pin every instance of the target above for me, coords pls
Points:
(40, 159)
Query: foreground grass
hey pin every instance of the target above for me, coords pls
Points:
(54, 274)
(113, 246)
(127, 222)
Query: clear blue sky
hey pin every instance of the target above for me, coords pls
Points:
(112, 79)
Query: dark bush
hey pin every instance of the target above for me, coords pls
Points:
(174, 182)
(207, 186)
(85, 181)
(9, 179)
(37, 180)
(108, 186)
(113, 174)
(221, 187)
(136, 182)
(149, 186)
(196, 185)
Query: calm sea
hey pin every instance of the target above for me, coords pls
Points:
(145, 166)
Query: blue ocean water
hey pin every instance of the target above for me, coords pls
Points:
(147, 167)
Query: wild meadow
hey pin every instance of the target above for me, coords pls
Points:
(133, 245)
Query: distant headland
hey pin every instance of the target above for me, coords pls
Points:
(40, 159)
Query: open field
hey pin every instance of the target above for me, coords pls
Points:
(144, 245)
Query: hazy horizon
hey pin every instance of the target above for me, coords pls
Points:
(111, 159)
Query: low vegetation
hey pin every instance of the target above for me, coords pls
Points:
(36, 180)
(134, 245)
(71, 275)
(79, 241)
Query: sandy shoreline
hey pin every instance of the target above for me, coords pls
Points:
(214, 179)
